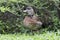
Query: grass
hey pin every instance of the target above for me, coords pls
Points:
(44, 36)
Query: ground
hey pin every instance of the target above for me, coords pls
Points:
(44, 36)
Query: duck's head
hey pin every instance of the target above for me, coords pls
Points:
(29, 10)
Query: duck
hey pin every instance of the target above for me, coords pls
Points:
(31, 20)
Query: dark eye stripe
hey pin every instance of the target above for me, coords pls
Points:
(28, 8)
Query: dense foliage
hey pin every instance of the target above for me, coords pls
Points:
(42, 8)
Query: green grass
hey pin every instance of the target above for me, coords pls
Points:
(44, 36)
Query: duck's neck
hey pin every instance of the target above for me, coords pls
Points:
(30, 16)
